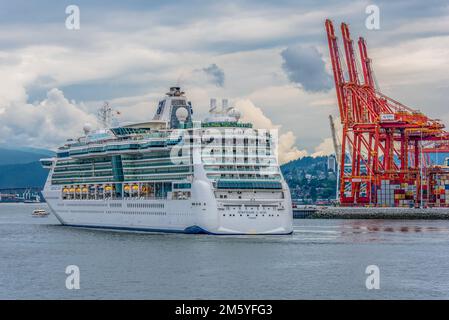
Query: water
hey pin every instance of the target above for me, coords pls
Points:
(322, 259)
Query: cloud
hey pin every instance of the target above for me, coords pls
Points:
(43, 124)
(305, 114)
(287, 150)
(305, 66)
(325, 148)
(254, 115)
(216, 74)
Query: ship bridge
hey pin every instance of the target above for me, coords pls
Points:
(174, 108)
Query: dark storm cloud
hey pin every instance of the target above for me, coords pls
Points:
(305, 66)
(216, 74)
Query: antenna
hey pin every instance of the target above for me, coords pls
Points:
(105, 115)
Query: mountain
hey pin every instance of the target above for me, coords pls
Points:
(310, 180)
(20, 167)
(40, 151)
(304, 162)
(22, 175)
(22, 155)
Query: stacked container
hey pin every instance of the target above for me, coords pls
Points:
(394, 194)
(441, 190)
(405, 195)
(385, 195)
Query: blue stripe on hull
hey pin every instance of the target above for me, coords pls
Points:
(188, 230)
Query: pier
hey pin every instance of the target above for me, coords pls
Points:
(303, 212)
(371, 213)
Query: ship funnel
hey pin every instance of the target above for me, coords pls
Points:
(213, 105)
(224, 104)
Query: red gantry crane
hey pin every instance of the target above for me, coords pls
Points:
(381, 159)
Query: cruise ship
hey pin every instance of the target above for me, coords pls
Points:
(171, 174)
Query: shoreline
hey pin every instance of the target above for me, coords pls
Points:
(373, 213)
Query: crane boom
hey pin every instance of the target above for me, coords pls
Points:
(337, 146)
(336, 67)
(366, 64)
(350, 54)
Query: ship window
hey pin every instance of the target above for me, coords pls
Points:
(160, 107)
(178, 102)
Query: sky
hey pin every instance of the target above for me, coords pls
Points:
(269, 58)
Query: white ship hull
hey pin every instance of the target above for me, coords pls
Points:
(168, 216)
(172, 175)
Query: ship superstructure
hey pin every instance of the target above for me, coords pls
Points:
(172, 174)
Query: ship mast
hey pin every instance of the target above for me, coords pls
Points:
(105, 115)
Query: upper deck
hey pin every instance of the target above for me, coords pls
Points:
(233, 154)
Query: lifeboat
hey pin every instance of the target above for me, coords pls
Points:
(126, 187)
(65, 190)
(135, 187)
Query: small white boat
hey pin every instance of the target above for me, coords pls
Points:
(39, 213)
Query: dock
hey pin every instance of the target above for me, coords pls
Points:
(371, 213)
(304, 212)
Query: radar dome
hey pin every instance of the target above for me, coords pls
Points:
(182, 114)
(87, 128)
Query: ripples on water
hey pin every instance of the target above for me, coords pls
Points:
(321, 259)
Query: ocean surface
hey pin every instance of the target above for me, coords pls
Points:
(322, 259)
